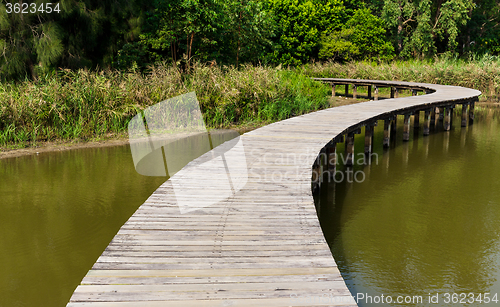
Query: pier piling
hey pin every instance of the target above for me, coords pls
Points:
(406, 127)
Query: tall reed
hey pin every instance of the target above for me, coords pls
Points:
(87, 104)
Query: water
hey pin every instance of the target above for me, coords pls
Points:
(59, 212)
(424, 222)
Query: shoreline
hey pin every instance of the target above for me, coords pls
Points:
(64, 145)
(122, 139)
(59, 146)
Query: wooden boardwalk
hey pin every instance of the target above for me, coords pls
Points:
(255, 239)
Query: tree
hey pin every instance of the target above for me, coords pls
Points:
(94, 30)
(27, 41)
(300, 24)
(248, 30)
(84, 33)
(362, 37)
(176, 27)
(423, 27)
(482, 32)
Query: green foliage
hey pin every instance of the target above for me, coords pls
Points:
(134, 34)
(84, 34)
(300, 24)
(186, 27)
(338, 46)
(421, 28)
(231, 31)
(27, 40)
(482, 33)
(363, 37)
(132, 54)
(246, 36)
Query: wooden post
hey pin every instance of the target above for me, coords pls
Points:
(354, 91)
(322, 164)
(427, 121)
(387, 133)
(332, 157)
(441, 113)
(333, 89)
(396, 92)
(316, 172)
(375, 96)
(392, 92)
(414, 92)
(416, 120)
(349, 149)
(394, 124)
(471, 112)
(369, 91)
(433, 116)
(368, 139)
(464, 114)
(447, 118)
(347, 90)
(406, 127)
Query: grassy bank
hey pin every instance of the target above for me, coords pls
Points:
(84, 105)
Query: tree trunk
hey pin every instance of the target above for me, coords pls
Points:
(190, 45)
(400, 29)
(239, 41)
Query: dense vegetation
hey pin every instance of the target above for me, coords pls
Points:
(83, 104)
(135, 33)
(86, 104)
(84, 70)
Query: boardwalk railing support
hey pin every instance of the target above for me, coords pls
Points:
(471, 112)
(375, 95)
(394, 125)
(369, 91)
(416, 120)
(347, 90)
(331, 152)
(427, 121)
(464, 114)
(387, 133)
(433, 116)
(441, 113)
(369, 135)
(333, 89)
(447, 118)
(349, 149)
(406, 127)
(354, 91)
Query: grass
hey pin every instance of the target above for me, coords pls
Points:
(85, 105)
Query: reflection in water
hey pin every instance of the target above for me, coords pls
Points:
(59, 212)
(426, 223)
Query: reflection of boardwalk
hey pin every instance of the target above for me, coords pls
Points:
(261, 246)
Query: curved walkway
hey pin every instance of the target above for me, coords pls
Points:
(262, 245)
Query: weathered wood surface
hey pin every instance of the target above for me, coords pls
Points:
(259, 242)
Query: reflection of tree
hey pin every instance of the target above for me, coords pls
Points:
(426, 226)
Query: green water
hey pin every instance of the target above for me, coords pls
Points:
(424, 222)
(59, 212)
